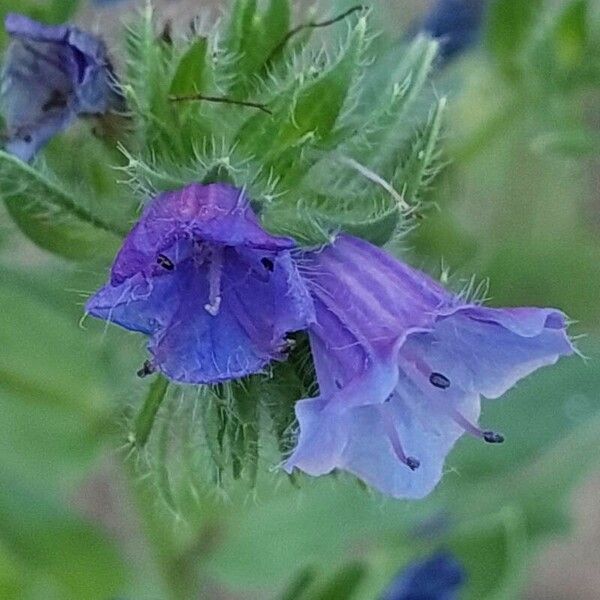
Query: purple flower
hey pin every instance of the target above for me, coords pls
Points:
(455, 23)
(215, 293)
(401, 364)
(51, 75)
(438, 577)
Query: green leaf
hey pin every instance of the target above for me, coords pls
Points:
(189, 77)
(301, 582)
(51, 217)
(60, 550)
(343, 584)
(510, 22)
(493, 551)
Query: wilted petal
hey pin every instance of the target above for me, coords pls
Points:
(51, 75)
(216, 293)
(401, 364)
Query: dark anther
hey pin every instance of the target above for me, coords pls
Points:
(439, 381)
(492, 437)
(57, 100)
(165, 262)
(338, 383)
(167, 33)
(267, 263)
(147, 369)
(413, 463)
(27, 139)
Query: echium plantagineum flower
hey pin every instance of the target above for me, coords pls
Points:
(455, 23)
(401, 364)
(437, 577)
(51, 75)
(215, 292)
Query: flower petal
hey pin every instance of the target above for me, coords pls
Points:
(215, 292)
(401, 364)
(364, 439)
(217, 212)
(488, 350)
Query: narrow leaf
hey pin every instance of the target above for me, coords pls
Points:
(147, 415)
(51, 217)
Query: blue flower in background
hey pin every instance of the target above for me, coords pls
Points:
(215, 292)
(438, 577)
(401, 364)
(51, 75)
(455, 23)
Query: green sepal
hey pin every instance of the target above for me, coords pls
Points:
(145, 419)
(243, 429)
(422, 162)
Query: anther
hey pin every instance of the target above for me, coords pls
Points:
(267, 263)
(412, 463)
(147, 369)
(491, 437)
(165, 262)
(439, 381)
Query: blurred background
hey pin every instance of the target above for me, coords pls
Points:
(518, 203)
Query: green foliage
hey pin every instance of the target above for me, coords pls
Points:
(51, 217)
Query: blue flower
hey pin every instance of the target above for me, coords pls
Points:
(215, 293)
(438, 577)
(51, 75)
(401, 364)
(455, 23)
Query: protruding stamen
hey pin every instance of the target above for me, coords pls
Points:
(490, 437)
(410, 461)
(165, 262)
(439, 381)
(147, 369)
(215, 271)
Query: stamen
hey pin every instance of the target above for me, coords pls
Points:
(439, 381)
(410, 461)
(147, 369)
(491, 437)
(267, 263)
(215, 271)
(165, 262)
